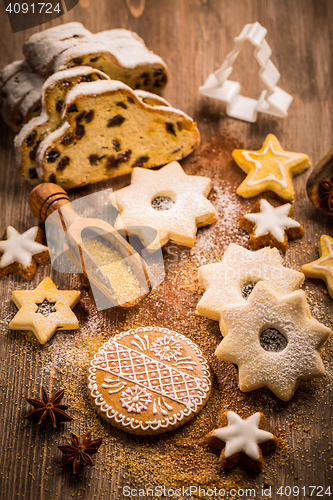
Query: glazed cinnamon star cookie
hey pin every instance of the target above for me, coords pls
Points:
(242, 440)
(168, 200)
(45, 310)
(273, 341)
(20, 252)
(232, 280)
(270, 168)
(271, 226)
(322, 268)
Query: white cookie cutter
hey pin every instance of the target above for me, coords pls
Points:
(273, 101)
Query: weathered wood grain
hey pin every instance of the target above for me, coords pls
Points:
(193, 36)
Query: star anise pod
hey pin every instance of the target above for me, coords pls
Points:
(49, 408)
(326, 193)
(78, 453)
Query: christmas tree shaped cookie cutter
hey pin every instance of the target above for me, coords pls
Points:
(272, 101)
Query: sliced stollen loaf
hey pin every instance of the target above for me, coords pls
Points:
(54, 92)
(107, 131)
(42, 48)
(20, 94)
(9, 71)
(119, 53)
(122, 55)
(151, 99)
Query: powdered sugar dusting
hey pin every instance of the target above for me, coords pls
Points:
(212, 241)
(282, 371)
(128, 47)
(72, 349)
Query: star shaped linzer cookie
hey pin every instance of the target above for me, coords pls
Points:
(45, 310)
(274, 341)
(231, 281)
(168, 200)
(20, 252)
(270, 168)
(271, 226)
(242, 440)
(323, 267)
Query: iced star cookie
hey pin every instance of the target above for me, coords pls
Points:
(149, 380)
(173, 203)
(270, 168)
(242, 440)
(231, 281)
(322, 268)
(274, 341)
(45, 310)
(20, 253)
(271, 226)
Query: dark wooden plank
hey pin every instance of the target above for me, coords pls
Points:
(193, 37)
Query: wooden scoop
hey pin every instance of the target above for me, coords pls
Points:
(47, 198)
(320, 185)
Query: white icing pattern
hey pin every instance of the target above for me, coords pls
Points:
(166, 348)
(242, 435)
(140, 377)
(132, 366)
(135, 399)
(319, 263)
(289, 158)
(272, 220)
(20, 247)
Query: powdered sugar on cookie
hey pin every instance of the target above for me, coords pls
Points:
(265, 318)
(230, 281)
(181, 205)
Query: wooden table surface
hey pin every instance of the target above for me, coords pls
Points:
(193, 37)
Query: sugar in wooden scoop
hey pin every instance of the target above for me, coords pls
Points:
(123, 281)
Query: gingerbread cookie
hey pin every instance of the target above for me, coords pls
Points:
(274, 341)
(45, 310)
(271, 226)
(242, 440)
(270, 168)
(173, 203)
(149, 381)
(322, 268)
(20, 253)
(231, 281)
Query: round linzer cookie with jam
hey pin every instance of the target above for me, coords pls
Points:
(149, 380)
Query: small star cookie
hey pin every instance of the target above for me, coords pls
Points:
(242, 440)
(21, 252)
(323, 267)
(269, 168)
(271, 226)
(168, 200)
(45, 310)
(274, 341)
(231, 281)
